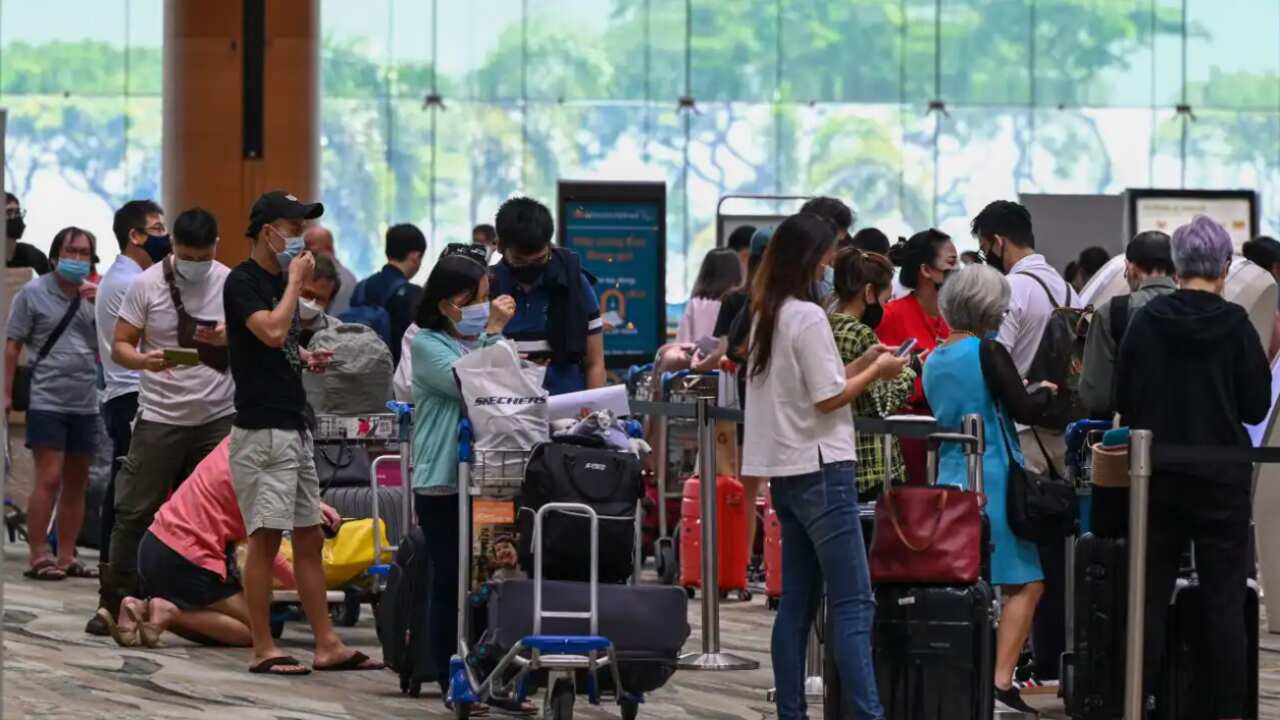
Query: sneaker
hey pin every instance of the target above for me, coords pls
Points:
(97, 626)
(1012, 699)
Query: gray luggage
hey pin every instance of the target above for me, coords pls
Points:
(360, 381)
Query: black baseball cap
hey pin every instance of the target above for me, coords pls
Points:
(280, 205)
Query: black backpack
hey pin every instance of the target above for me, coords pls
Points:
(402, 615)
(580, 469)
(1059, 358)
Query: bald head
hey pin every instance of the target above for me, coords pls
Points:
(319, 240)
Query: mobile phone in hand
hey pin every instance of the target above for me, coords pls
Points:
(905, 348)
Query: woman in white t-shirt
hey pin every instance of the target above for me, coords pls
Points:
(800, 436)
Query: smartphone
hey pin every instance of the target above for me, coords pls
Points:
(905, 348)
(207, 324)
(182, 357)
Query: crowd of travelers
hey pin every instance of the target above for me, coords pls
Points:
(196, 371)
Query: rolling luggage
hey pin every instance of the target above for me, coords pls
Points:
(731, 532)
(772, 554)
(579, 469)
(647, 625)
(357, 502)
(1186, 690)
(1093, 674)
(402, 615)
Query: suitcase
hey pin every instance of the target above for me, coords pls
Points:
(731, 531)
(1093, 674)
(647, 625)
(402, 615)
(934, 652)
(1186, 690)
(772, 554)
(357, 502)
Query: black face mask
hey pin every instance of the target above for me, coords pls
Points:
(14, 227)
(995, 261)
(527, 274)
(872, 316)
(157, 247)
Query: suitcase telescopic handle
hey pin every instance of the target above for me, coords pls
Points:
(592, 616)
(972, 441)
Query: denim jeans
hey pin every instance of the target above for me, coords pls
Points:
(822, 546)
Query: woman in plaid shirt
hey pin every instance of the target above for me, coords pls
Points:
(862, 287)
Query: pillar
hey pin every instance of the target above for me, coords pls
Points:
(204, 155)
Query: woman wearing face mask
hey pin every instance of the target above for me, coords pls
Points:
(453, 314)
(863, 284)
(926, 259)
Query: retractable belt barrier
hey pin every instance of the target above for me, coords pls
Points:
(915, 429)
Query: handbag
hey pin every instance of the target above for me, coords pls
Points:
(21, 397)
(936, 538)
(342, 464)
(1040, 508)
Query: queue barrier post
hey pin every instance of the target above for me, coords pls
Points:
(711, 658)
(1139, 493)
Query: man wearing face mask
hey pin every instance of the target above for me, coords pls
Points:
(271, 451)
(317, 297)
(185, 410)
(388, 294)
(557, 318)
(140, 230)
(20, 254)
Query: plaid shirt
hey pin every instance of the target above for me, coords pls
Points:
(883, 398)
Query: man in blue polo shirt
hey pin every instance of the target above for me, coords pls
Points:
(557, 316)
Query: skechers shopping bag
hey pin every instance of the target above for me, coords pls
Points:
(508, 410)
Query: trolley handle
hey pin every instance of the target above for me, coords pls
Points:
(594, 587)
(466, 441)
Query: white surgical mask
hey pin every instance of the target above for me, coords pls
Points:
(309, 310)
(192, 271)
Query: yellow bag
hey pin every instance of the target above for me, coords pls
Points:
(352, 551)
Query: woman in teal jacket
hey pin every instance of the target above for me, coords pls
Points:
(454, 317)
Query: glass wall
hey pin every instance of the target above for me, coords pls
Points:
(81, 81)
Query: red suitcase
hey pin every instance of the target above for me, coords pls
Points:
(731, 526)
(772, 554)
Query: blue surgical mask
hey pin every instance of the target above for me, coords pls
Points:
(829, 276)
(474, 319)
(293, 247)
(73, 271)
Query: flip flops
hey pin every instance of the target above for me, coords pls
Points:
(148, 635)
(357, 661)
(45, 570)
(78, 569)
(268, 667)
(122, 638)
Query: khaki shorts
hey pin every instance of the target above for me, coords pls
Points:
(274, 474)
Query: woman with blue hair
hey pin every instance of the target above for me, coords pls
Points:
(1192, 370)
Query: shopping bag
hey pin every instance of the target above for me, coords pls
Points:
(352, 551)
(508, 411)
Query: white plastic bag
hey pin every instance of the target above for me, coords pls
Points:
(508, 410)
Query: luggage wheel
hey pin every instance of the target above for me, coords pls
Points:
(771, 603)
(560, 701)
(630, 710)
(461, 711)
(666, 562)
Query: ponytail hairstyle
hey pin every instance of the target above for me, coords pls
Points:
(921, 249)
(787, 271)
(855, 269)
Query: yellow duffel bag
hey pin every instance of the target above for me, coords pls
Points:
(351, 552)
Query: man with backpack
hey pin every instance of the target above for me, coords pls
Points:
(1148, 269)
(386, 300)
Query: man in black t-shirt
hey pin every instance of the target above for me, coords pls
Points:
(20, 254)
(272, 461)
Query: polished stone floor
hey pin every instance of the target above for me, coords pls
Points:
(53, 670)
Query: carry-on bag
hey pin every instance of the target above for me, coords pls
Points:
(359, 383)
(402, 615)
(1093, 672)
(731, 535)
(1187, 691)
(578, 469)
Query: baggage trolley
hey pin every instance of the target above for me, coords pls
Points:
(678, 436)
(561, 656)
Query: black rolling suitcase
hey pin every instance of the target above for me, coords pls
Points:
(1093, 675)
(357, 502)
(402, 615)
(1186, 689)
(647, 625)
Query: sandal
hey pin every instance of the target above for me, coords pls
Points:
(45, 569)
(512, 706)
(268, 666)
(122, 638)
(147, 633)
(476, 711)
(357, 661)
(78, 569)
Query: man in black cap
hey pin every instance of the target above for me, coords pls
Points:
(271, 452)
(1148, 269)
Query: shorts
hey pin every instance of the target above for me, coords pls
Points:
(274, 473)
(72, 433)
(163, 573)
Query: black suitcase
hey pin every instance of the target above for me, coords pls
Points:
(357, 502)
(579, 469)
(1093, 675)
(1186, 689)
(402, 615)
(647, 625)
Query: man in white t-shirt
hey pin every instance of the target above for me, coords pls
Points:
(171, 327)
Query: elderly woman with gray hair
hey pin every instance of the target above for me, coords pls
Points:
(972, 373)
(1192, 370)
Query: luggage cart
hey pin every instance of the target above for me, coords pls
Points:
(561, 656)
(678, 436)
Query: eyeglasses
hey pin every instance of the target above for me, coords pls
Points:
(541, 259)
(154, 229)
(14, 213)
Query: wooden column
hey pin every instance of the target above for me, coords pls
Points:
(205, 162)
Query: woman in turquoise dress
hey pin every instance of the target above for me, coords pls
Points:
(970, 374)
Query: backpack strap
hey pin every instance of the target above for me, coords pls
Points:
(59, 329)
(1119, 318)
(1048, 293)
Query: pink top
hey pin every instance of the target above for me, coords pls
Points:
(699, 320)
(201, 520)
